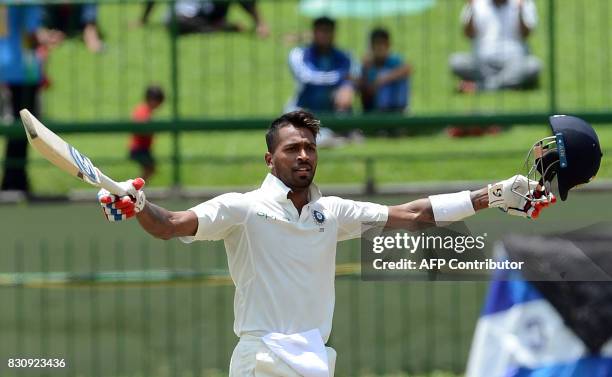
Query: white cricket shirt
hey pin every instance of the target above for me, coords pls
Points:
(282, 263)
(498, 33)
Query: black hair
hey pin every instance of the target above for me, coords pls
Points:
(154, 93)
(324, 21)
(297, 119)
(378, 34)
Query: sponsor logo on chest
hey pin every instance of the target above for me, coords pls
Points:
(271, 217)
(317, 216)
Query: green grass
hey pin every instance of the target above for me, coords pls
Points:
(239, 75)
(121, 332)
(178, 329)
(382, 327)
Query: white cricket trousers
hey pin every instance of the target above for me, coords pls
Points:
(252, 358)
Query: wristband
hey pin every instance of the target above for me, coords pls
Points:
(451, 207)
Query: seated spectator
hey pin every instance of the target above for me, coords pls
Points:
(500, 56)
(73, 19)
(384, 82)
(322, 72)
(140, 145)
(195, 16)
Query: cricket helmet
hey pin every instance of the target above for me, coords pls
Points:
(572, 155)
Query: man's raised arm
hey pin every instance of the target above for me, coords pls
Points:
(165, 224)
(517, 196)
(156, 220)
(419, 213)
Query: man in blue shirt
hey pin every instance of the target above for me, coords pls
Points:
(21, 72)
(322, 72)
(384, 80)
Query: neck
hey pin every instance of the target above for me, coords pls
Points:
(323, 50)
(299, 198)
(379, 61)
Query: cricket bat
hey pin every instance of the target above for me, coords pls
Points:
(64, 155)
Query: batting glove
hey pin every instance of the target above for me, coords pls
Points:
(520, 196)
(118, 208)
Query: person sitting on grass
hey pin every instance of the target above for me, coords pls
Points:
(322, 72)
(500, 57)
(140, 144)
(194, 16)
(324, 77)
(73, 19)
(384, 82)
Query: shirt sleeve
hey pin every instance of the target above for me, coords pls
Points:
(354, 70)
(466, 12)
(218, 217)
(33, 18)
(306, 73)
(530, 14)
(355, 217)
(89, 13)
(395, 61)
(141, 115)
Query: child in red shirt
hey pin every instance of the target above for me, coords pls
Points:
(140, 144)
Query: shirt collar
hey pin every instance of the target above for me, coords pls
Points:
(279, 191)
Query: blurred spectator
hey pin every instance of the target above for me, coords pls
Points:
(500, 56)
(323, 75)
(205, 16)
(322, 72)
(140, 144)
(384, 82)
(20, 71)
(74, 19)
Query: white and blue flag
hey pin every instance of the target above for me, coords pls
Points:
(545, 328)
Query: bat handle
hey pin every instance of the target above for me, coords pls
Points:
(112, 186)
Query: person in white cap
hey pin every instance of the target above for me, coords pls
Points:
(281, 245)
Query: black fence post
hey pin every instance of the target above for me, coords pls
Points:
(370, 184)
(552, 89)
(176, 149)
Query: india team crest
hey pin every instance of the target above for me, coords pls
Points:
(318, 216)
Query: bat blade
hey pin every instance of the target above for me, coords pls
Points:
(63, 155)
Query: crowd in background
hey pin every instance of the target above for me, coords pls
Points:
(328, 78)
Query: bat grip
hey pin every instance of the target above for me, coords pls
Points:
(112, 186)
(540, 193)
